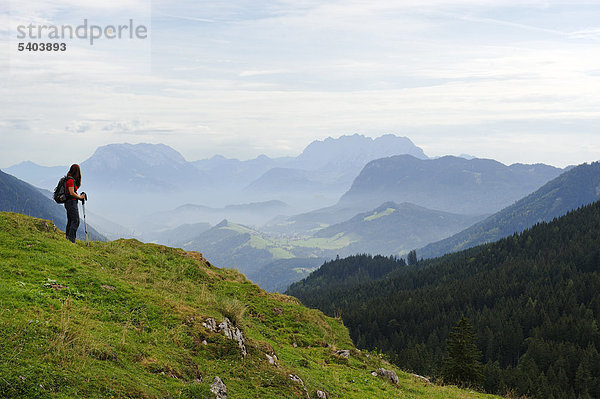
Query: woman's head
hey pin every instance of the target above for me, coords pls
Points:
(75, 173)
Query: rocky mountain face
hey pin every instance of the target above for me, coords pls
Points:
(354, 151)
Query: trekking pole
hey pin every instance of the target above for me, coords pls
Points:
(85, 223)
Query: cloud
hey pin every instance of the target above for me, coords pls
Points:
(78, 127)
(591, 33)
(58, 8)
(123, 126)
(244, 74)
(15, 124)
(279, 74)
(185, 17)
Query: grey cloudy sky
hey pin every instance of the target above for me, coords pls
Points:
(518, 81)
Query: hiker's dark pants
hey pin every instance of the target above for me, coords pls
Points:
(72, 219)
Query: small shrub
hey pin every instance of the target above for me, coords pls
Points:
(233, 309)
(102, 354)
(264, 347)
(333, 359)
(301, 341)
(197, 390)
(222, 348)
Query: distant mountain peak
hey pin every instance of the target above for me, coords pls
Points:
(222, 223)
(355, 151)
(142, 167)
(115, 155)
(385, 205)
(448, 183)
(359, 139)
(191, 207)
(26, 163)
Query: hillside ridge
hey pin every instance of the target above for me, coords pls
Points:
(449, 183)
(128, 319)
(576, 187)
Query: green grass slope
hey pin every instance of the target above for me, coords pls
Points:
(124, 319)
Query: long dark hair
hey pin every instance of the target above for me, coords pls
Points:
(75, 173)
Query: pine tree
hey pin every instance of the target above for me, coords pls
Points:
(462, 365)
(411, 259)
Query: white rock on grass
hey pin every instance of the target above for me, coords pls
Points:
(389, 374)
(233, 333)
(218, 388)
(345, 353)
(423, 379)
(229, 330)
(298, 380)
(272, 359)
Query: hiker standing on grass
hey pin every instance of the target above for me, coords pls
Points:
(73, 183)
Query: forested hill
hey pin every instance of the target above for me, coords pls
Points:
(574, 188)
(533, 298)
(342, 273)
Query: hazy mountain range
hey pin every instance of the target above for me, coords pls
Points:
(451, 184)
(383, 195)
(574, 188)
(39, 176)
(577, 187)
(393, 229)
(146, 177)
(252, 213)
(142, 168)
(389, 229)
